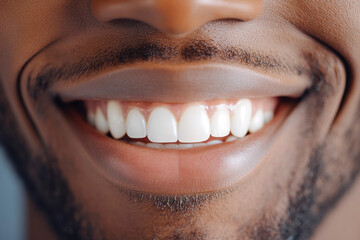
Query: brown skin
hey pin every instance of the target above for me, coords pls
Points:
(287, 195)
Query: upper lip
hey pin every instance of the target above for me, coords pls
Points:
(180, 83)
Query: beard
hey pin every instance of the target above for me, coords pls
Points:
(50, 191)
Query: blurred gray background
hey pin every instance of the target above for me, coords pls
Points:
(12, 202)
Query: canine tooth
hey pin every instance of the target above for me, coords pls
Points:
(240, 120)
(194, 125)
(116, 120)
(90, 117)
(220, 123)
(100, 121)
(135, 124)
(257, 122)
(162, 126)
(268, 116)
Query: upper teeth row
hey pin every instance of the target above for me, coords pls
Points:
(194, 124)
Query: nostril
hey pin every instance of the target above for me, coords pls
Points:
(176, 16)
(108, 10)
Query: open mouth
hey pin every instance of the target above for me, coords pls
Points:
(180, 126)
(156, 142)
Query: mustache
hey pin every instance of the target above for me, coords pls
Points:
(193, 51)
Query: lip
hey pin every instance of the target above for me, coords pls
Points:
(180, 83)
(178, 171)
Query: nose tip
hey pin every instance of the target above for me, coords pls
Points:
(176, 16)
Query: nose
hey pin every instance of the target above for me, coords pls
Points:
(176, 16)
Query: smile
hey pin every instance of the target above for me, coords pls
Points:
(171, 140)
(186, 126)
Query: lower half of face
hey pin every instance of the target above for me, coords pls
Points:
(186, 139)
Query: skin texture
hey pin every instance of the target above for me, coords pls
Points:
(286, 197)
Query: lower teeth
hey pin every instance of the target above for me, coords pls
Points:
(182, 145)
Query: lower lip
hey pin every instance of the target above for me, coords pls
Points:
(177, 171)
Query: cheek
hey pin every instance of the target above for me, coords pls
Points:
(294, 161)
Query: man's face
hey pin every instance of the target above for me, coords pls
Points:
(153, 119)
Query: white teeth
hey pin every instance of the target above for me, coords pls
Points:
(214, 142)
(176, 145)
(240, 120)
(171, 146)
(100, 121)
(135, 124)
(231, 139)
(199, 144)
(268, 116)
(139, 143)
(91, 118)
(194, 125)
(154, 145)
(220, 123)
(257, 122)
(185, 146)
(116, 120)
(162, 126)
(193, 128)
